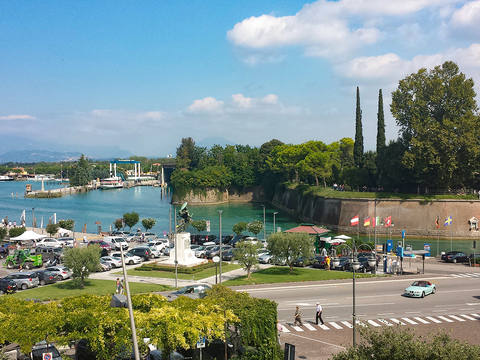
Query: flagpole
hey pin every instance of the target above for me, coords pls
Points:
(438, 235)
(451, 233)
(375, 236)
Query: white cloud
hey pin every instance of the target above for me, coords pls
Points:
(467, 15)
(206, 105)
(17, 117)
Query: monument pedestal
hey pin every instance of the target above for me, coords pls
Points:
(185, 255)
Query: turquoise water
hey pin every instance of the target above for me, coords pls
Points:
(105, 206)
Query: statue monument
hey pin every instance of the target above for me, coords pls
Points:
(184, 255)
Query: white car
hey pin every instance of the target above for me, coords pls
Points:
(156, 253)
(159, 245)
(114, 261)
(129, 259)
(67, 241)
(201, 251)
(50, 242)
(62, 272)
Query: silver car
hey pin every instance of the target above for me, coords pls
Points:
(62, 272)
(24, 280)
(128, 258)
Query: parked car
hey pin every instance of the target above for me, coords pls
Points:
(50, 253)
(7, 286)
(120, 233)
(190, 290)
(156, 253)
(142, 251)
(24, 280)
(265, 258)
(236, 239)
(149, 236)
(302, 261)
(444, 256)
(457, 257)
(420, 289)
(67, 241)
(115, 242)
(343, 265)
(202, 251)
(364, 266)
(61, 271)
(115, 262)
(128, 258)
(46, 277)
(229, 255)
(50, 242)
(104, 245)
(210, 254)
(319, 261)
(159, 245)
(132, 237)
(167, 250)
(42, 348)
(104, 266)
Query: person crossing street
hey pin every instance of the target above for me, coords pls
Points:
(318, 314)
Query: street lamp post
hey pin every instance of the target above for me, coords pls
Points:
(33, 218)
(274, 228)
(220, 214)
(353, 259)
(264, 236)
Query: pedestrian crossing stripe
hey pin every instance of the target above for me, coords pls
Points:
(466, 275)
(340, 325)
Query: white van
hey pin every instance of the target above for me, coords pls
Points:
(115, 242)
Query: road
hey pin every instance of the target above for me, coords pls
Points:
(378, 301)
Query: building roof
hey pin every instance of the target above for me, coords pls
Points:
(309, 229)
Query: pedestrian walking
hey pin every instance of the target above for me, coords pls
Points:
(85, 239)
(118, 286)
(327, 265)
(121, 287)
(298, 317)
(319, 313)
(279, 331)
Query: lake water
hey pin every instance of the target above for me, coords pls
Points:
(105, 206)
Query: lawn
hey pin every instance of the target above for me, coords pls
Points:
(281, 274)
(92, 286)
(171, 275)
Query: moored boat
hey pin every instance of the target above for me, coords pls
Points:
(6, 178)
(111, 183)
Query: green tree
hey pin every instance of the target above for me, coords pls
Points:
(239, 227)
(439, 126)
(82, 261)
(398, 343)
(66, 224)
(131, 219)
(255, 227)
(118, 224)
(148, 223)
(381, 141)
(82, 172)
(52, 229)
(3, 233)
(246, 254)
(200, 225)
(14, 232)
(358, 146)
(290, 246)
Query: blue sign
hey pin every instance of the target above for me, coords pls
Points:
(389, 245)
(427, 247)
(400, 251)
(403, 234)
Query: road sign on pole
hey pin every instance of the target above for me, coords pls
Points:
(47, 356)
(208, 225)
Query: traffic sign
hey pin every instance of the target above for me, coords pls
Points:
(216, 259)
(47, 356)
(208, 225)
(201, 342)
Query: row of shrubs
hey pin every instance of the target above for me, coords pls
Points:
(180, 269)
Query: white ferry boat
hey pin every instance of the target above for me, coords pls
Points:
(6, 178)
(111, 183)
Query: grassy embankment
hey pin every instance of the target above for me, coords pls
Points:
(92, 286)
(281, 274)
(226, 267)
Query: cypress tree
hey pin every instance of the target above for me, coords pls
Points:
(381, 141)
(358, 146)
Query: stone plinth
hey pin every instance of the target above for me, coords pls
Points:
(185, 255)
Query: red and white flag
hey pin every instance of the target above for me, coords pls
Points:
(388, 221)
(354, 220)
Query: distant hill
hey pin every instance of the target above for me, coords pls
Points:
(35, 156)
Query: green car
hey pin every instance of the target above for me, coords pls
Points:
(420, 289)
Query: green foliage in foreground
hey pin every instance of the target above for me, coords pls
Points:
(281, 274)
(395, 343)
(92, 286)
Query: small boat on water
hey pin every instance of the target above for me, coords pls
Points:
(44, 177)
(115, 182)
(6, 178)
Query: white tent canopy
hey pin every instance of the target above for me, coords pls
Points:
(343, 237)
(28, 235)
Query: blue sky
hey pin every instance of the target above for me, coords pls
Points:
(143, 74)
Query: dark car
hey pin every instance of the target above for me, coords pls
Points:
(46, 277)
(50, 253)
(236, 239)
(39, 350)
(364, 266)
(458, 257)
(302, 261)
(225, 239)
(228, 256)
(444, 256)
(216, 251)
(142, 251)
(344, 264)
(319, 261)
(104, 245)
(7, 286)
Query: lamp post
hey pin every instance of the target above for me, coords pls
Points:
(274, 228)
(353, 259)
(33, 218)
(220, 214)
(264, 222)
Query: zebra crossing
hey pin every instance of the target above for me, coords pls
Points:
(416, 320)
(466, 275)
